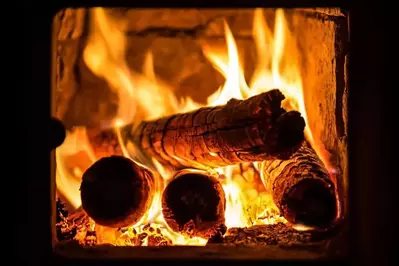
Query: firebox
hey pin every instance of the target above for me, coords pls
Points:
(201, 133)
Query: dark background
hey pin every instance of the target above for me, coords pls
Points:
(372, 137)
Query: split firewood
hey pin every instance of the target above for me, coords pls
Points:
(193, 203)
(254, 129)
(116, 191)
(302, 188)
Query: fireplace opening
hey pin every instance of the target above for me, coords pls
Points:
(208, 128)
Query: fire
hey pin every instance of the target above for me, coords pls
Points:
(144, 96)
(68, 175)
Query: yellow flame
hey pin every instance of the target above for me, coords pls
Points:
(234, 214)
(68, 176)
(301, 227)
(144, 96)
(235, 85)
(104, 55)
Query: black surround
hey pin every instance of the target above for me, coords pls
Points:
(370, 198)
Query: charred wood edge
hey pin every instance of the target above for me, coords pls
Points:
(67, 225)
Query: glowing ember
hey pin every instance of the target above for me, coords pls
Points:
(144, 96)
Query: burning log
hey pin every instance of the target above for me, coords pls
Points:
(248, 130)
(71, 226)
(302, 188)
(193, 203)
(116, 192)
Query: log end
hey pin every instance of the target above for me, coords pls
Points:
(194, 204)
(288, 134)
(310, 202)
(116, 192)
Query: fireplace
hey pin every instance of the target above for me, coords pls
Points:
(231, 125)
(78, 27)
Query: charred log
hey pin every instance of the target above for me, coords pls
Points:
(116, 192)
(193, 203)
(302, 188)
(248, 130)
(276, 234)
(262, 235)
(64, 230)
(70, 226)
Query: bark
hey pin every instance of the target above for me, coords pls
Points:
(116, 192)
(248, 130)
(302, 188)
(193, 203)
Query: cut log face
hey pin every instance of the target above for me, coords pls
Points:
(193, 203)
(248, 130)
(302, 188)
(116, 192)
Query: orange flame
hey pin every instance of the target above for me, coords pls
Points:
(144, 96)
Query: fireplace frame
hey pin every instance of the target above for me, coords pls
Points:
(364, 81)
